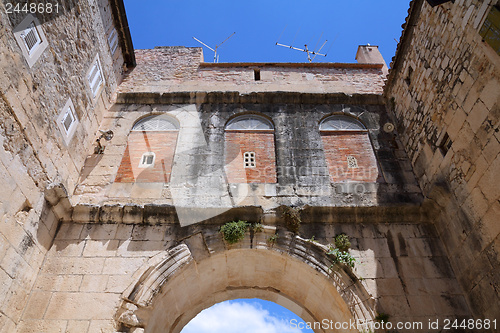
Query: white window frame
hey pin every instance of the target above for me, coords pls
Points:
(249, 160)
(96, 68)
(30, 24)
(67, 110)
(113, 41)
(144, 156)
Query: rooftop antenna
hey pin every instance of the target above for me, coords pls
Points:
(216, 56)
(310, 53)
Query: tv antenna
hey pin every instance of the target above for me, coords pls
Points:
(310, 54)
(216, 56)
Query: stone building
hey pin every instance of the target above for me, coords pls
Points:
(123, 235)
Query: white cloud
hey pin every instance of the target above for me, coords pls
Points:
(237, 317)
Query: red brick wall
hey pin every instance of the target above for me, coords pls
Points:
(259, 142)
(339, 145)
(161, 143)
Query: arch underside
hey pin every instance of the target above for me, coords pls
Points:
(174, 287)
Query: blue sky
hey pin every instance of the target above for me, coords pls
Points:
(245, 316)
(258, 25)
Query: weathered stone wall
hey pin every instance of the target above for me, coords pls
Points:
(93, 267)
(32, 150)
(170, 69)
(198, 170)
(445, 81)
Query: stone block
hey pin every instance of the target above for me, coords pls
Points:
(122, 265)
(100, 248)
(489, 95)
(73, 265)
(101, 231)
(124, 231)
(67, 248)
(83, 213)
(82, 306)
(489, 181)
(37, 304)
(477, 115)
(111, 214)
(94, 283)
(51, 282)
(132, 214)
(37, 326)
(69, 231)
(118, 283)
(77, 326)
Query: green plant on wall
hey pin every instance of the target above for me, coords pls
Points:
(382, 317)
(340, 251)
(342, 242)
(291, 215)
(234, 231)
(273, 239)
(257, 227)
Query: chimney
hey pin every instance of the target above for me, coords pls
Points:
(369, 54)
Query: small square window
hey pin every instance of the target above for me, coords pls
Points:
(147, 160)
(113, 41)
(31, 39)
(249, 159)
(95, 78)
(352, 162)
(67, 121)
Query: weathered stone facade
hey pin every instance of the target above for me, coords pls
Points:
(94, 243)
(33, 152)
(445, 82)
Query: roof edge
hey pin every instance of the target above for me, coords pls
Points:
(118, 8)
(291, 65)
(405, 41)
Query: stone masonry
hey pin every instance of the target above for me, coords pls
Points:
(94, 243)
(445, 82)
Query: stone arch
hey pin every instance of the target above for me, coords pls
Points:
(173, 287)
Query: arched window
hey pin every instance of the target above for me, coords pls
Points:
(156, 123)
(249, 150)
(249, 123)
(150, 151)
(341, 123)
(348, 150)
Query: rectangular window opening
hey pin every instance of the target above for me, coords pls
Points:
(445, 145)
(256, 74)
(408, 77)
(68, 120)
(95, 78)
(113, 41)
(147, 160)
